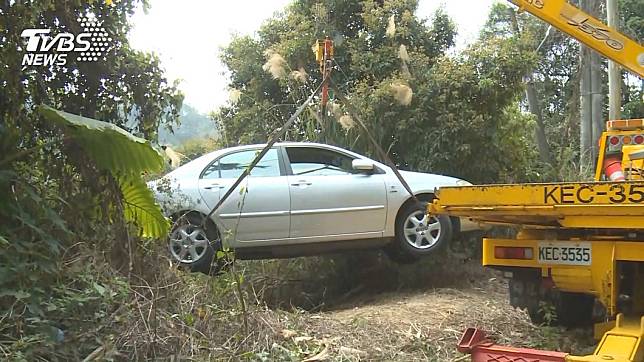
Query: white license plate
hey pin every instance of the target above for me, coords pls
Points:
(565, 253)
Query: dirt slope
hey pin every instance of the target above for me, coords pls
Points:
(417, 326)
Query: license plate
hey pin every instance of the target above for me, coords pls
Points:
(565, 253)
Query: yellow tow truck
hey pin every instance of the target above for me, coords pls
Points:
(579, 248)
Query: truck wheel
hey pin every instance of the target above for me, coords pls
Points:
(575, 309)
(526, 293)
(569, 309)
(418, 234)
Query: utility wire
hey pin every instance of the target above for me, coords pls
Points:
(544, 38)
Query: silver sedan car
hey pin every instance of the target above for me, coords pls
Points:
(300, 199)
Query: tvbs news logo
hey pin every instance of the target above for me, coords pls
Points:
(45, 48)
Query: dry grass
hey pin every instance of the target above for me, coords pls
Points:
(360, 307)
(421, 326)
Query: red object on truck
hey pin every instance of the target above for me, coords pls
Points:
(482, 349)
(613, 168)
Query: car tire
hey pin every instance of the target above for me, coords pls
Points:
(418, 234)
(193, 244)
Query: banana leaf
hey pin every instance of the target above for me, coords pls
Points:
(126, 157)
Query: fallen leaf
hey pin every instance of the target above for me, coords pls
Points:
(302, 339)
(322, 356)
(287, 333)
(352, 351)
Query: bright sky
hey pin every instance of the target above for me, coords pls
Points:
(187, 36)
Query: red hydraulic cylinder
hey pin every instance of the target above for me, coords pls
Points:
(482, 349)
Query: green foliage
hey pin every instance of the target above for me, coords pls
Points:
(35, 238)
(363, 53)
(127, 158)
(632, 14)
(554, 75)
(634, 108)
(128, 155)
(549, 312)
(456, 124)
(141, 209)
(60, 203)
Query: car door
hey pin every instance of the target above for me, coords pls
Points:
(258, 209)
(329, 198)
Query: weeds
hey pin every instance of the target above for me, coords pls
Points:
(163, 312)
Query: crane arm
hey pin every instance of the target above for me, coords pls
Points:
(589, 31)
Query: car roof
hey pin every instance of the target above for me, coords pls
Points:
(221, 151)
(287, 144)
(283, 144)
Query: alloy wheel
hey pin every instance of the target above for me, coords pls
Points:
(188, 243)
(422, 231)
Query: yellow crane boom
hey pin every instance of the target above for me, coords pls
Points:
(589, 31)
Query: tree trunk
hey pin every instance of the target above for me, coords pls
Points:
(591, 97)
(597, 97)
(535, 109)
(533, 105)
(614, 72)
(585, 112)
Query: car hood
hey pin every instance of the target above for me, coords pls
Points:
(421, 182)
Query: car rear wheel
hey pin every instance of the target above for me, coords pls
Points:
(419, 234)
(193, 245)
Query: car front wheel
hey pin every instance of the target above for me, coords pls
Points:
(419, 234)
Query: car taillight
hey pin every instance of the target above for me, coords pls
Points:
(509, 252)
(614, 140)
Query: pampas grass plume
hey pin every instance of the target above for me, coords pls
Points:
(275, 64)
(402, 93)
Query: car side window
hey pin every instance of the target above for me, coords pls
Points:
(234, 164)
(318, 162)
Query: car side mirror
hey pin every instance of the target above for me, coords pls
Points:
(362, 165)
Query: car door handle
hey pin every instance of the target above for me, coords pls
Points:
(213, 186)
(301, 183)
